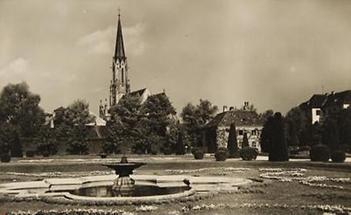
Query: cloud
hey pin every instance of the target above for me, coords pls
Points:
(18, 66)
(103, 41)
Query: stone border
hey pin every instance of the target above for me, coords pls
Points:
(54, 190)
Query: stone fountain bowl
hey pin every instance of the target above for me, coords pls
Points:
(124, 168)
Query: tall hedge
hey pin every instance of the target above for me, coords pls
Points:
(279, 149)
(232, 142)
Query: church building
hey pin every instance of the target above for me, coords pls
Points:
(120, 83)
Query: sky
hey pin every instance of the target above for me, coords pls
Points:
(272, 53)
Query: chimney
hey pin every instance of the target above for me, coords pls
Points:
(225, 108)
(231, 108)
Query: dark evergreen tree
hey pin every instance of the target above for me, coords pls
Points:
(232, 142)
(345, 129)
(266, 136)
(180, 150)
(330, 134)
(245, 141)
(278, 149)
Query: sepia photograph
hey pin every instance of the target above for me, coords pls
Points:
(175, 107)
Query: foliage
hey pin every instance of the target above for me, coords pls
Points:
(245, 141)
(48, 144)
(338, 156)
(232, 142)
(221, 154)
(330, 135)
(145, 128)
(265, 115)
(297, 122)
(320, 152)
(248, 153)
(344, 124)
(278, 149)
(198, 153)
(195, 118)
(30, 153)
(70, 126)
(20, 116)
(180, 150)
(5, 157)
(267, 134)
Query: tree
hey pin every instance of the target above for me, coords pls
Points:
(143, 127)
(267, 133)
(344, 125)
(297, 124)
(232, 141)
(20, 111)
(278, 149)
(330, 134)
(245, 141)
(70, 126)
(180, 150)
(195, 118)
(265, 115)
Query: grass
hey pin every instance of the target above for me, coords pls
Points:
(281, 197)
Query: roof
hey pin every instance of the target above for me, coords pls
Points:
(317, 100)
(98, 121)
(338, 98)
(239, 117)
(119, 49)
(138, 92)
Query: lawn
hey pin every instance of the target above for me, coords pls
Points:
(295, 187)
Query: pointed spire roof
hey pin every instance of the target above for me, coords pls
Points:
(119, 50)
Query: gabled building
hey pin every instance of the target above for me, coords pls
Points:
(320, 106)
(246, 121)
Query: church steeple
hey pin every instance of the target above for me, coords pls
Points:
(119, 49)
(120, 82)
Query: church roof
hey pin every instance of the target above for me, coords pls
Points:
(119, 49)
(239, 117)
(138, 92)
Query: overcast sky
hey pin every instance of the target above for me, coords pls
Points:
(273, 53)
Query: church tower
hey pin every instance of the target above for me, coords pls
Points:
(119, 85)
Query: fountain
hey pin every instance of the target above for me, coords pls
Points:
(124, 185)
(125, 188)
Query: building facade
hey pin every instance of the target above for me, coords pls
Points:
(247, 122)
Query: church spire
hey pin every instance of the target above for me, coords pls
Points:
(119, 49)
(120, 82)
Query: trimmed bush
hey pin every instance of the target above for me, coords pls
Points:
(198, 153)
(5, 158)
(248, 153)
(338, 156)
(320, 152)
(221, 154)
(30, 154)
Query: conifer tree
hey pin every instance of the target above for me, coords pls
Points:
(232, 141)
(278, 150)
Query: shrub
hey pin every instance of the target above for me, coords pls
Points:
(45, 153)
(221, 154)
(320, 153)
(5, 158)
(198, 153)
(248, 153)
(103, 155)
(30, 153)
(338, 156)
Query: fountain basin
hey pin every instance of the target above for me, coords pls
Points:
(68, 190)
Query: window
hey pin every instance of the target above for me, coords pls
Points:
(318, 112)
(241, 132)
(253, 144)
(253, 132)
